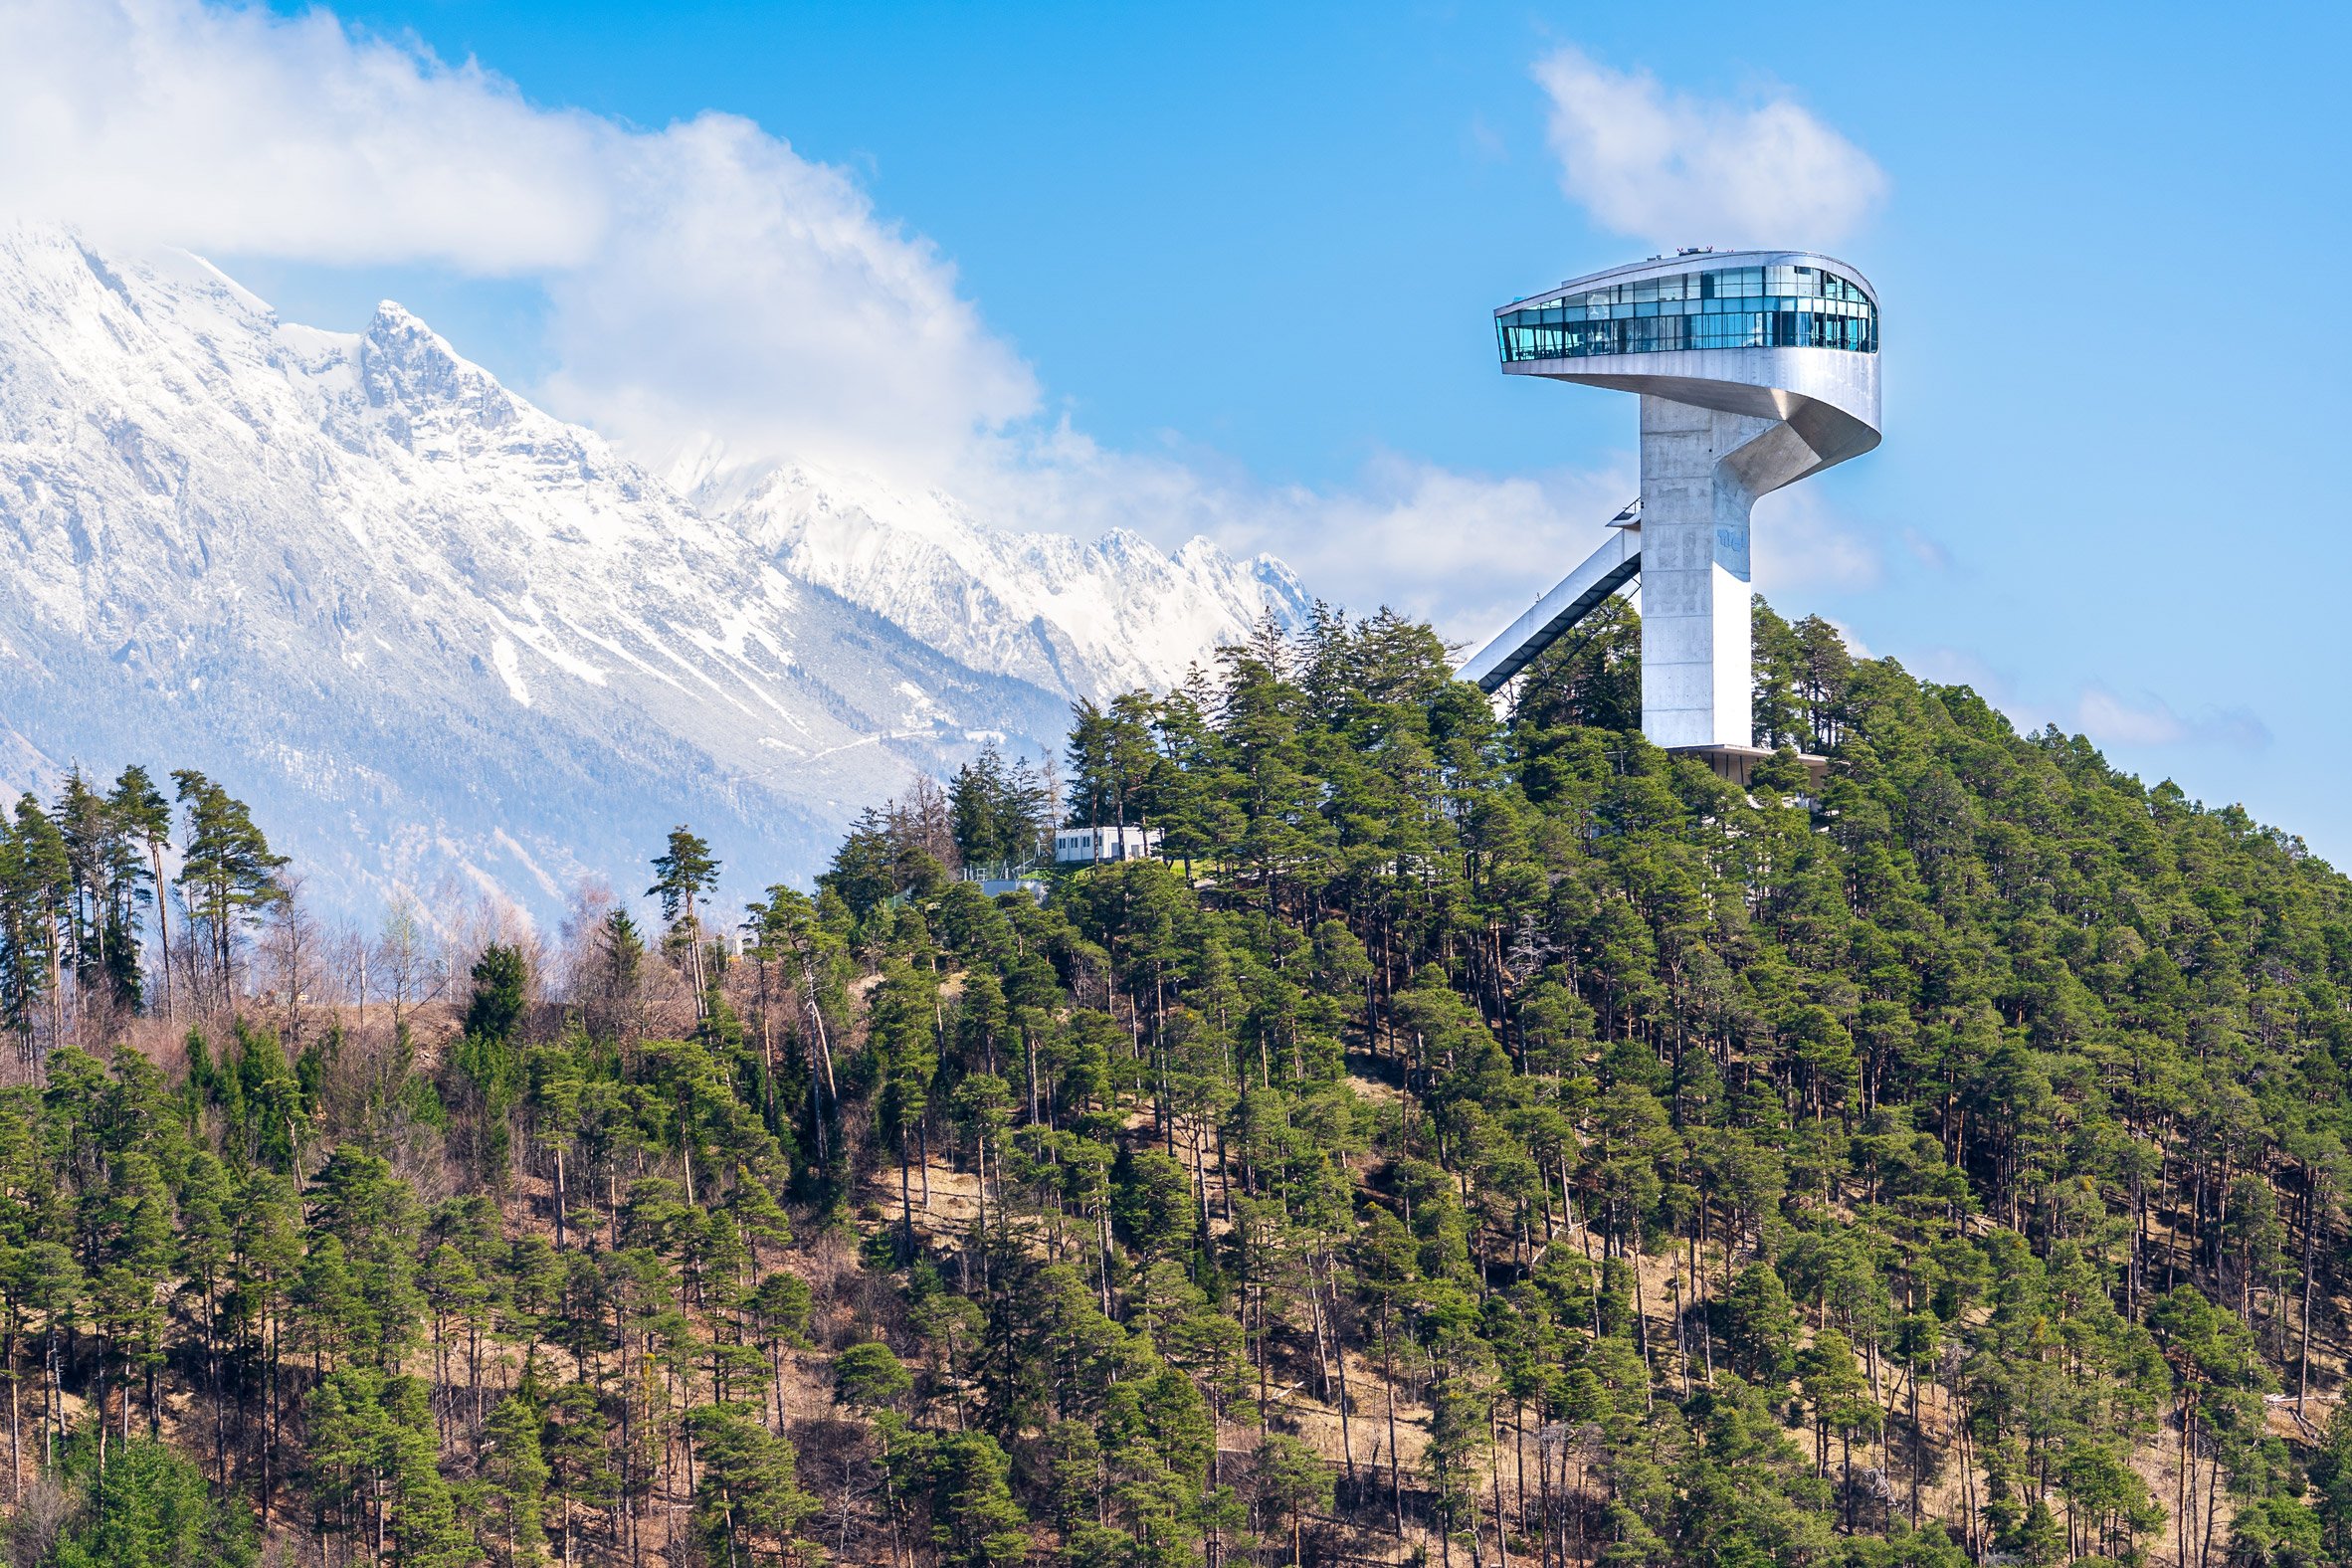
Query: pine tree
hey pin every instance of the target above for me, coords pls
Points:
(143, 817)
(682, 874)
(40, 887)
(228, 872)
(514, 1476)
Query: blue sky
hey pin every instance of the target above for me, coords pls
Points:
(1229, 268)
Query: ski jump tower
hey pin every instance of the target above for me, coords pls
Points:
(1755, 369)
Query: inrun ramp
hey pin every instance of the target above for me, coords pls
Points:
(1578, 595)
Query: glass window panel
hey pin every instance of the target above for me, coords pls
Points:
(1784, 307)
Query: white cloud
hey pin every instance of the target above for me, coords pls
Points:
(758, 296)
(1796, 546)
(1851, 638)
(1947, 666)
(232, 129)
(2112, 720)
(1927, 551)
(1469, 553)
(1466, 552)
(2096, 710)
(703, 277)
(1677, 170)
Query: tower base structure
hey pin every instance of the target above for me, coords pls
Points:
(1737, 764)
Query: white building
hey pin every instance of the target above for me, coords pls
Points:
(1083, 846)
(1754, 369)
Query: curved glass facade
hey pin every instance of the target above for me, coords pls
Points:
(1728, 308)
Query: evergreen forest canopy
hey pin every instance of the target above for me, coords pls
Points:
(1473, 1139)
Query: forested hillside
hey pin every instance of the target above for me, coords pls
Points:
(1476, 1139)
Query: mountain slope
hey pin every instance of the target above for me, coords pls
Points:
(1072, 616)
(425, 627)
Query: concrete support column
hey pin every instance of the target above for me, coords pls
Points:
(1695, 496)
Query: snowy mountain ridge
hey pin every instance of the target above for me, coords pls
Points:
(1064, 613)
(431, 631)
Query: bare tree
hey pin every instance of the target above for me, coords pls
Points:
(469, 921)
(405, 965)
(579, 968)
(921, 817)
(291, 956)
(603, 968)
(196, 960)
(342, 966)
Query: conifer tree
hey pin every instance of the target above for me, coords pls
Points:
(683, 873)
(228, 872)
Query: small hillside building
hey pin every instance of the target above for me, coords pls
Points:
(1086, 845)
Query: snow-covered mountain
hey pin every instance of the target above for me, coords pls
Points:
(1073, 617)
(428, 629)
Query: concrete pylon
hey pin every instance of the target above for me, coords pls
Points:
(1701, 472)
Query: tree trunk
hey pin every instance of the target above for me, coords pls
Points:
(1388, 1377)
(163, 926)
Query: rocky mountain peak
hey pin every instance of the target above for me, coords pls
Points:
(431, 631)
